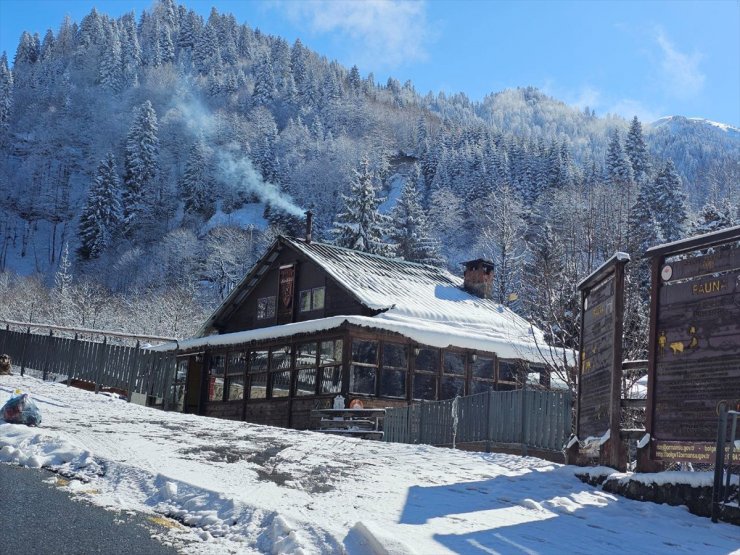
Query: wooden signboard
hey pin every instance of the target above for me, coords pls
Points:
(600, 361)
(286, 294)
(694, 359)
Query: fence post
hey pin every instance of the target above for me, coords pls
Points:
(5, 338)
(100, 363)
(73, 361)
(48, 355)
(25, 348)
(719, 461)
(489, 417)
(133, 370)
(524, 438)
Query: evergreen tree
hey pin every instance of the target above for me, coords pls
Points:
(141, 166)
(637, 152)
(712, 218)
(618, 168)
(670, 205)
(101, 217)
(111, 68)
(6, 92)
(409, 227)
(196, 185)
(361, 226)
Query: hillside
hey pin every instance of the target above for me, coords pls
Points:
(166, 150)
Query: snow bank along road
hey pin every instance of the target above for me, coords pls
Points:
(242, 488)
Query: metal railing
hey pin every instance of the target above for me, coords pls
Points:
(722, 478)
(530, 418)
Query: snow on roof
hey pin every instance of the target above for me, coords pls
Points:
(422, 302)
(408, 290)
(434, 334)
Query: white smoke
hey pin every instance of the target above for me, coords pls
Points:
(233, 166)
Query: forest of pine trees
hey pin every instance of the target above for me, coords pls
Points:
(135, 150)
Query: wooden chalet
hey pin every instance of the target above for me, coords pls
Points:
(313, 321)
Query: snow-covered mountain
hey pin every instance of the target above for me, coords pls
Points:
(207, 125)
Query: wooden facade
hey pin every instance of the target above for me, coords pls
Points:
(278, 380)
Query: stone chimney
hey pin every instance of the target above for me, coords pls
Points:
(478, 278)
(309, 225)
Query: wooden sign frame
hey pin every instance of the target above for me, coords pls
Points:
(701, 286)
(598, 405)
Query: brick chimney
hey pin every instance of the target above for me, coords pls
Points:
(478, 278)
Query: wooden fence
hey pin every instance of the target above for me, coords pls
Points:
(530, 418)
(99, 364)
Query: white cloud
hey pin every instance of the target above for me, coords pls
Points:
(385, 33)
(683, 77)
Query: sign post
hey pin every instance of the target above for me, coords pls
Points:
(694, 350)
(600, 363)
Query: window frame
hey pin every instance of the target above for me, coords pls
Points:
(270, 299)
(426, 374)
(311, 294)
(240, 371)
(385, 369)
(370, 366)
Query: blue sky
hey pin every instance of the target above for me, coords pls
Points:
(645, 58)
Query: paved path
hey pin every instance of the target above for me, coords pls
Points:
(36, 517)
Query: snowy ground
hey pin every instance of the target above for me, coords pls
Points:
(253, 489)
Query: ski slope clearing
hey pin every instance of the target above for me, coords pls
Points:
(242, 488)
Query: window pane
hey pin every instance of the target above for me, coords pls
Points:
(318, 298)
(393, 383)
(258, 386)
(281, 384)
(451, 387)
(306, 355)
(265, 308)
(425, 387)
(305, 301)
(480, 386)
(395, 355)
(236, 388)
(237, 363)
(280, 358)
(215, 389)
(365, 351)
(306, 384)
(362, 380)
(454, 363)
(258, 361)
(427, 360)
(182, 371)
(217, 365)
(331, 379)
(331, 352)
(483, 368)
(507, 371)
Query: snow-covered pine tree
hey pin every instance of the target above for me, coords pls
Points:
(361, 226)
(644, 232)
(6, 92)
(637, 152)
(101, 217)
(141, 166)
(410, 229)
(110, 72)
(618, 167)
(712, 218)
(196, 184)
(670, 206)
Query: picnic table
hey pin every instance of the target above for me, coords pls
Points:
(363, 423)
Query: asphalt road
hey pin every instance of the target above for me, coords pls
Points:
(39, 518)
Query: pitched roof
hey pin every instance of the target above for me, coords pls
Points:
(410, 297)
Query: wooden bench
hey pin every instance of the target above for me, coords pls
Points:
(362, 423)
